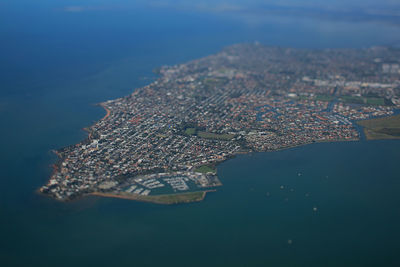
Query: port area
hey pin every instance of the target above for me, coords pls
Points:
(162, 188)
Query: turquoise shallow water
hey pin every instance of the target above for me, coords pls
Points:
(51, 74)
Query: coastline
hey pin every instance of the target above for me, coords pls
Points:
(170, 199)
(108, 111)
(283, 148)
(289, 147)
(153, 199)
(61, 153)
(55, 166)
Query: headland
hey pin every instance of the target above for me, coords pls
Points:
(162, 143)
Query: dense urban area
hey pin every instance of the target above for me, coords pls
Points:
(167, 137)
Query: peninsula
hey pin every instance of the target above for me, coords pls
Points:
(162, 143)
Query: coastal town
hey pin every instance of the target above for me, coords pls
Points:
(168, 137)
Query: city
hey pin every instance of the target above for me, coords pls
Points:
(168, 137)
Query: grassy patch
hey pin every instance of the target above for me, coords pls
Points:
(326, 98)
(352, 99)
(158, 199)
(174, 198)
(211, 83)
(208, 135)
(382, 128)
(190, 131)
(205, 169)
(390, 131)
(375, 101)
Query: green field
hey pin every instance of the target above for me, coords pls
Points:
(175, 198)
(190, 131)
(382, 128)
(211, 83)
(208, 135)
(205, 169)
(373, 101)
(324, 98)
(158, 199)
(352, 99)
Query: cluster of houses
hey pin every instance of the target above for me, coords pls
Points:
(246, 98)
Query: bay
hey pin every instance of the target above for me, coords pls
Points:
(338, 205)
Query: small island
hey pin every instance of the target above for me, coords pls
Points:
(162, 143)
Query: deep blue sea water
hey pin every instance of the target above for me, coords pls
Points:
(59, 58)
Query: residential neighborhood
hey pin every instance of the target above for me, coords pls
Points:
(247, 98)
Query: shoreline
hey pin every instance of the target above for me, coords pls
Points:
(151, 199)
(108, 111)
(55, 166)
(284, 148)
(289, 147)
(155, 199)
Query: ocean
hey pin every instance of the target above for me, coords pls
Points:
(327, 204)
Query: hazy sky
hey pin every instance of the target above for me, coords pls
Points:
(343, 4)
(59, 35)
(358, 10)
